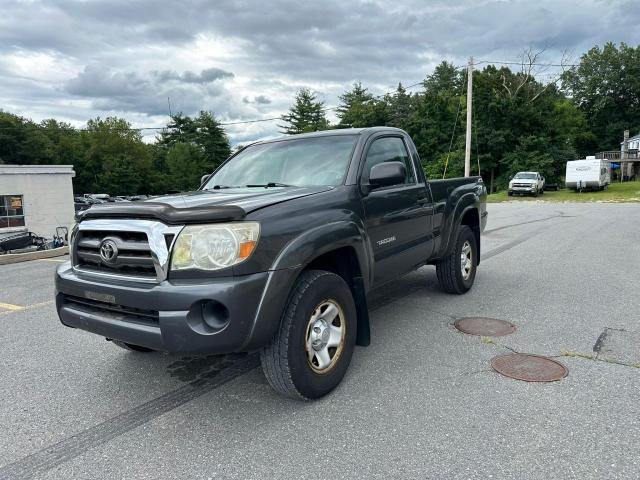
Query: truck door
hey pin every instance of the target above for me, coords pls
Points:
(398, 218)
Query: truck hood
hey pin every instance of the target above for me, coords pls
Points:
(202, 205)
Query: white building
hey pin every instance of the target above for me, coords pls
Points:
(36, 198)
(632, 144)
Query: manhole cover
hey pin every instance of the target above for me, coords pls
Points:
(530, 368)
(488, 327)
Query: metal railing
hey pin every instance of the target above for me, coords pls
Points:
(616, 155)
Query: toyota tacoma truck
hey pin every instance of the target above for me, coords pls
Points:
(277, 251)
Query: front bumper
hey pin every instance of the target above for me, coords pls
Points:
(530, 189)
(217, 315)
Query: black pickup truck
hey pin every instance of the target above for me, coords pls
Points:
(277, 251)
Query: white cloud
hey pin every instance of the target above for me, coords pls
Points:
(75, 59)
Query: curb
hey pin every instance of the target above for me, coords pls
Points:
(38, 254)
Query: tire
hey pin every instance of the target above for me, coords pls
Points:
(131, 347)
(292, 368)
(449, 268)
(535, 193)
(542, 191)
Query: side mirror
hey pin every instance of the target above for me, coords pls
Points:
(204, 179)
(387, 173)
(510, 177)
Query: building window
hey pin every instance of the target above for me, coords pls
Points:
(11, 211)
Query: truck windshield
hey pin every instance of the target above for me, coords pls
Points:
(527, 176)
(297, 162)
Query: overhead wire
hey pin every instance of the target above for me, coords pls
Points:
(271, 119)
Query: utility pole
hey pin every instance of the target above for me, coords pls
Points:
(625, 153)
(467, 147)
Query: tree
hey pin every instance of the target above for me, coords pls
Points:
(116, 159)
(605, 86)
(355, 107)
(203, 132)
(306, 115)
(399, 107)
(186, 164)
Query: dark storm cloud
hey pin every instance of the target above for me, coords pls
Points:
(130, 56)
(259, 99)
(205, 76)
(146, 93)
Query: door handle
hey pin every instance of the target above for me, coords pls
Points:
(422, 201)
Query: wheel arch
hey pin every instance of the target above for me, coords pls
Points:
(338, 247)
(466, 212)
(471, 218)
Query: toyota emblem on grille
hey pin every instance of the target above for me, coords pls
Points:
(108, 251)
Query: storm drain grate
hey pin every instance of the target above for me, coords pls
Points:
(529, 368)
(483, 326)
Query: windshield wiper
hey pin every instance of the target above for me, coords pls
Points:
(220, 187)
(269, 185)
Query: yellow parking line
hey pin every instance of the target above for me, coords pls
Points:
(17, 308)
(9, 306)
(56, 260)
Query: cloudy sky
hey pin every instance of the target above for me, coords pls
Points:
(244, 60)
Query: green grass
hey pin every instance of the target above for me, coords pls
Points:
(617, 192)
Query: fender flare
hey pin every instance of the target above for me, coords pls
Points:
(317, 241)
(297, 254)
(467, 202)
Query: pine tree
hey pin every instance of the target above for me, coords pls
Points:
(355, 107)
(306, 115)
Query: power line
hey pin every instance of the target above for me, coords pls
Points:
(268, 119)
(223, 124)
(502, 62)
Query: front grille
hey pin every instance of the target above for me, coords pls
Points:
(117, 312)
(525, 185)
(133, 258)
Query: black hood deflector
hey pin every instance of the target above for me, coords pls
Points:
(165, 213)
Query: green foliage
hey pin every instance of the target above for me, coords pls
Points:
(203, 132)
(306, 114)
(110, 157)
(606, 88)
(519, 123)
(186, 164)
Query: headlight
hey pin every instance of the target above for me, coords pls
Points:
(216, 246)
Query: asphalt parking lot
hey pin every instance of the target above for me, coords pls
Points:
(421, 401)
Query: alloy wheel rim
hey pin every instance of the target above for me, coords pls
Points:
(466, 260)
(324, 341)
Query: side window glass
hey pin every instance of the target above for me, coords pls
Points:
(388, 149)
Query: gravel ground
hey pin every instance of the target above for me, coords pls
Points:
(421, 401)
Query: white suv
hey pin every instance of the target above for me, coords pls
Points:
(526, 183)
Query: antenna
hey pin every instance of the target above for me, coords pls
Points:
(169, 102)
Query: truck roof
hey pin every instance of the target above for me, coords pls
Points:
(327, 133)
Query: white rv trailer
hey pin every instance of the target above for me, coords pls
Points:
(591, 173)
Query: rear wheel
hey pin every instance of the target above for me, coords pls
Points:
(457, 271)
(310, 353)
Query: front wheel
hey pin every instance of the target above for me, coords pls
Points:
(310, 352)
(457, 271)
